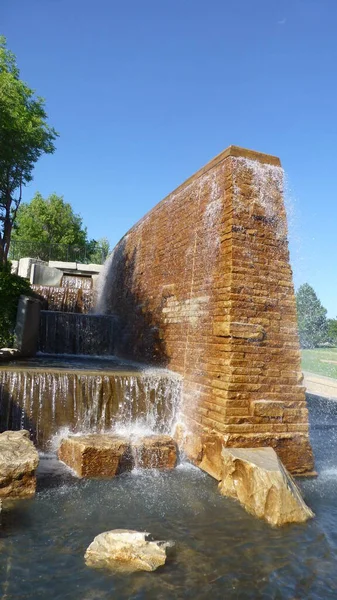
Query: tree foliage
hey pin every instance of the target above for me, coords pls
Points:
(100, 250)
(312, 321)
(11, 288)
(24, 137)
(50, 224)
(51, 221)
(332, 331)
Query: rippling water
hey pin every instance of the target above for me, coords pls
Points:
(220, 551)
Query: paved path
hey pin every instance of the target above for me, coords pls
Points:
(318, 385)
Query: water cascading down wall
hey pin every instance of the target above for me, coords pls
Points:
(203, 285)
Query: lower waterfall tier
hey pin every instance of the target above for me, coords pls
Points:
(84, 401)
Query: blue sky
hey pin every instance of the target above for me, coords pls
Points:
(145, 92)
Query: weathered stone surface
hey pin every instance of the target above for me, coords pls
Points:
(126, 550)
(203, 285)
(258, 480)
(246, 331)
(101, 455)
(18, 462)
(155, 452)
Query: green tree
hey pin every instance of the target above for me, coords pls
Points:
(49, 221)
(332, 331)
(24, 137)
(312, 321)
(11, 288)
(100, 251)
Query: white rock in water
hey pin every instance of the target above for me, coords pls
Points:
(258, 480)
(126, 550)
(18, 462)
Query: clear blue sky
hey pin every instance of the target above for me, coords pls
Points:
(145, 92)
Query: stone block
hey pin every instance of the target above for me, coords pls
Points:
(246, 331)
(42, 274)
(27, 326)
(25, 265)
(155, 452)
(90, 268)
(18, 462)
(126, 551)
(100, 455)
(259, 481)
(268, 408)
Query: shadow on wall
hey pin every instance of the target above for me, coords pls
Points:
(13, 417)
(140, 329)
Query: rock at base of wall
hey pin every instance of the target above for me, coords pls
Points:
(259, 481)
(18, 462)
(7, 354)
(155, 452)
(100, 455)
(126, 550)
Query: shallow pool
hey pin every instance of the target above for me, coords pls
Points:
(220, 551)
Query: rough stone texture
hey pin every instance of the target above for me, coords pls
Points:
(155, 452)
(126, 550)
(18, 462)
(257, 479)
(100, 455)
(203, 286)
(106, 455)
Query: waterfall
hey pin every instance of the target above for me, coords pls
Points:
(75, 333)
(65, 299)
(77, 281)
(48, 401)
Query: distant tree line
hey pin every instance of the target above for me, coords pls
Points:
(313, 326)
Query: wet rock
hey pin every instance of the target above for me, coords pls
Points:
(155, 452)
(100, 455)
(259, 481)
(18, 462)
(8, 354)
(126, 550)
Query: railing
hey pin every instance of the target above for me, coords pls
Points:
(93, 253)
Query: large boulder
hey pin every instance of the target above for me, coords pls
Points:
(94, 455)
(155, 452)
(18, 462)
(126, 550)
(259, 481)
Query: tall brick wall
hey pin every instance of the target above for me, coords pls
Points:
(203, 286)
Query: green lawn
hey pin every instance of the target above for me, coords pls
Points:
(313, 360)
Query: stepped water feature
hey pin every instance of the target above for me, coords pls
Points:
(65, 299)
(76, 385)
(211, 299)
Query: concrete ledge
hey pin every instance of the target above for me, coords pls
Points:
(75, 266)
(318, 385)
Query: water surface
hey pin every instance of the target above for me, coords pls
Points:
(220, 551)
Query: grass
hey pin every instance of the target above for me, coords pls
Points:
(314, 361)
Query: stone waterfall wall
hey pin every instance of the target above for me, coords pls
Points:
(203, 286)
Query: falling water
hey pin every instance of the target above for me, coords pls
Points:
(45, 402)
(77, 281)
(65, 299)
(74, 333)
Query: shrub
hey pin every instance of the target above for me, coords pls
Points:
(11, 288)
